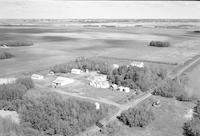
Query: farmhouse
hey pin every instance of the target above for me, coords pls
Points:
(137, 64)
(37, 77)
(7, 80)
(76, 71)
(61, 81)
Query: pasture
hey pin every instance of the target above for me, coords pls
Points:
(55, 45)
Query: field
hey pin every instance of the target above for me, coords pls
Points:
(169, 119)
(194, 80)
(55, 45)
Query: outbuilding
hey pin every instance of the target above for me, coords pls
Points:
(76, 71)
(61, 81)
(37, 77)
(137, 64)
(7, 80)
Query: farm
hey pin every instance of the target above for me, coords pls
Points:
(105, 72)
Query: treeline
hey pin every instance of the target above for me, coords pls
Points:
(83, 64)
(159, 44)
(17, 43)
(137, 78)
(5, 55)
(11, 95)
(137, 117)
(192, 127)
(52, 115)
(173, 88)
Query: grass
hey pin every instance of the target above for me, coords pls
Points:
(169, 119)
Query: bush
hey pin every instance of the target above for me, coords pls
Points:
(172, 88)
(83, 64)
(192, 127)
(159, 44)
(26, 81)
(136, 78)
(17, 43)
(11, 95)
(5, 55)
(136, 117)
(51, 114)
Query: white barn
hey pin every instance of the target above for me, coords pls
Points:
(37, 77)
(137, 64)
(76, 71)
(7, 80)
(61, 81)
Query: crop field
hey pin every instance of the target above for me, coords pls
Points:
(55, 45)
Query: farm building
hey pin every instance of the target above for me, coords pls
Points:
(124, 89)
(137, 64)
(37, 77)
(7, 80)
(114, 86)
(76, 71)
(61, 81)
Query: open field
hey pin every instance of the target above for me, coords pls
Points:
(169, 119)
(194, 80)
(55, 45)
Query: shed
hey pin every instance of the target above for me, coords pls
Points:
(61, 81)
(76, 71)
(137, 64)
(37, 77)
(114, 86)
(7, 80)
(126, 89)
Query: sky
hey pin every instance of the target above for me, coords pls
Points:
(64, 9)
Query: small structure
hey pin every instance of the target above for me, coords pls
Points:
(126, 89)
(97, 105)
(156, 103)
(86, 71)
(37, 77)
(137, 64)
(7, 80)
(61, 81)
(121, 88)
(51, 73)
(76, 71)
(115, 66)
(114, 86)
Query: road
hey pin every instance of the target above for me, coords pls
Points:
(184, 68)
